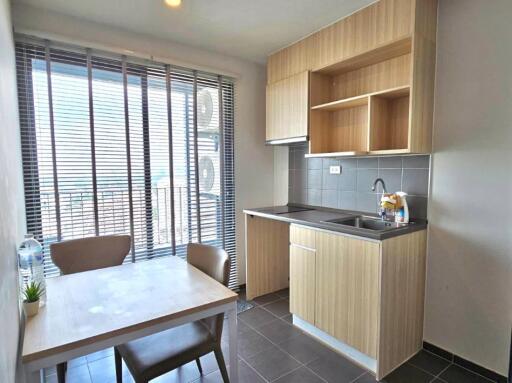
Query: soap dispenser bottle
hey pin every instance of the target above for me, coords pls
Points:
(403, 214)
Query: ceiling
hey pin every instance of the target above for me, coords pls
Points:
(248, 29)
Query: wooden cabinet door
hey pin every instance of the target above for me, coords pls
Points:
(347, 286)
(288, 108)
(302, 282)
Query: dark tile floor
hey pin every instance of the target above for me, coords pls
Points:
(270, 349)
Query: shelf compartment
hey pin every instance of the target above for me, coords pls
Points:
(360, 100)
(395, 48)
(333, 91)
(338, 131)
(389, 121)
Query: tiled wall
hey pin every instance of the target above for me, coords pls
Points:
(310, 182)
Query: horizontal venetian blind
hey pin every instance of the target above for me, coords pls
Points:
(117, 145)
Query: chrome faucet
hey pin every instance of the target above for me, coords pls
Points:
(382, 211)
(376, 182)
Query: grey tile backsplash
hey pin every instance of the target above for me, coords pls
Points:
(311, 183)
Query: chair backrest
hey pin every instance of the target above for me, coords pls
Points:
(210, 260)
(91, 253)
(214, 262)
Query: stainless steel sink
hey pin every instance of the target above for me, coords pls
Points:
(363, 222)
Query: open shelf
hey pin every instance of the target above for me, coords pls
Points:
(361, 100)
(343, 104)
(340, 130)
(361, 105)
(374, 123)
(389, 121)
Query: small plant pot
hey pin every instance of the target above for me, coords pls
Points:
(31, 308)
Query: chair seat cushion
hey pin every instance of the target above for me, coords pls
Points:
(159, 353)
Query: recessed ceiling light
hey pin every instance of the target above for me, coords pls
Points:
(173, 3)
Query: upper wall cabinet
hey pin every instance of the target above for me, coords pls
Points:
(288, 109)
(371, 82)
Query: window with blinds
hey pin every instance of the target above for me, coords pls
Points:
(117, 145)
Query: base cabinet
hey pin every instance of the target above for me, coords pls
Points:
(367, 294)
(347, 286)
(302, 282)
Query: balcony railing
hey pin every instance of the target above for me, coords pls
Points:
(151, 217)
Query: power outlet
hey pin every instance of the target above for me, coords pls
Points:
(335, 169)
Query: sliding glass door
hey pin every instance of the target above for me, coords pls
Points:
(113, 145)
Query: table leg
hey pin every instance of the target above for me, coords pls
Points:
(33, 376)
(233, 343)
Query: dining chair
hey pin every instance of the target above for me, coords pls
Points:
(84, 254)
(155, 355)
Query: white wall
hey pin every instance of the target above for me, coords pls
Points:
(253, 161)
(12, 215)
(281, 166)
(469, 288)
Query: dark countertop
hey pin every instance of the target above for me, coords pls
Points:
(317, 215)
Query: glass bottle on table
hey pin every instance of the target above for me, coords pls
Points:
(31, 267)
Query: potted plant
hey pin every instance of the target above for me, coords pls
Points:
(32, 293)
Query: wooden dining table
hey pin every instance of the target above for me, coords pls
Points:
(93, 310)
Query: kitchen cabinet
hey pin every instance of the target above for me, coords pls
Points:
(371, 83)
(302, 282)
(347, 290)
(302, 273)
(364, 293)
(368, 29)
(288, 109)
(267, 255)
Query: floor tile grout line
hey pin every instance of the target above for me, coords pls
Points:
(256, 304)
(287, 373)
(268, 311)
(452, 362)
(276, 344)
(424, 370)
(436, 355)
(364, 373)
(278, 347)
(271, 302)
(252, 368)
(473, 372)
(262, 325)
(264, 308)
(443, 370)
(306, 365)
(281, 349)
(314, 372)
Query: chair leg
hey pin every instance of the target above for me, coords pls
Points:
(199, 367)
(119, 366)
(222, 364)
(61, 372)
